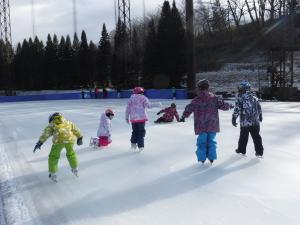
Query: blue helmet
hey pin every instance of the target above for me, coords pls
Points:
(244, 86)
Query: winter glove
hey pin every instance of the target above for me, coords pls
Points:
(182, 119)
(260, 117)
(234, 123)
(231, 106)
(79, 141)
(37, 146)
(158, 113)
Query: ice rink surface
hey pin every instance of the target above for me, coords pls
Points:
(163, 185)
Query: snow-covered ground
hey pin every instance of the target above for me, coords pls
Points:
(160, 186)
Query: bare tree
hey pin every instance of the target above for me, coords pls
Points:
(237, 11)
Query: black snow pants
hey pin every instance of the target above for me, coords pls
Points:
(243, 140)
(138, 134)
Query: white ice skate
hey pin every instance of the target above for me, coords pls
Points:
(75, 172)
(133, 146)
(94, 142)
(141, 149)
(258, 156)
(53, 177)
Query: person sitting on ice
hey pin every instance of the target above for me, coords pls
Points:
(104, 129)
(136, 114)
(169, 114)
(248, 108)
(64, 134)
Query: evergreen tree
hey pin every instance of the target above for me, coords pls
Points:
(171, 44)
(150, 64)
(16, 65)
(92, 63)
(37, 61)
(164, 36)
(61, 64)
(104, 57)
(68, 64)
(178, 67)
(51, 63)
(83, 59)
(6, 79)
(136, 59)
(120, 56)
(2, 65)
(75, 54)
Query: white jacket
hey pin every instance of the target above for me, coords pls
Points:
(104, 128)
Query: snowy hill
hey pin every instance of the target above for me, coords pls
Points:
(163, 185)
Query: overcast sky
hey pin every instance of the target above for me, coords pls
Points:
(56, 16)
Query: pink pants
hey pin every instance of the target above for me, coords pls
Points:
(103, 141)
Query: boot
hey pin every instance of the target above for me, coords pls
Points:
(53, 177)
(75, 171)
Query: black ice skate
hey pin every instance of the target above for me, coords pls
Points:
(53, 177)
(75, 172)
(239, 153)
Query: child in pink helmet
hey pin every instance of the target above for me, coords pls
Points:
(104, 129)
(136, 114)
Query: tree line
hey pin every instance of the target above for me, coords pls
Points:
(121, 60)
(153, 54)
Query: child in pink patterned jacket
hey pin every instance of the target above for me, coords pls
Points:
(206, 120)
(136, 111)
(169, 114)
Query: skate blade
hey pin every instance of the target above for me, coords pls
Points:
(53, 180)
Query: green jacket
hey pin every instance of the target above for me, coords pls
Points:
(62, 130)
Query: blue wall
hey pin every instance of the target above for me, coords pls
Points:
(151, 93)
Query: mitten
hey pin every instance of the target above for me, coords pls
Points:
(79, 141)
(37, 146)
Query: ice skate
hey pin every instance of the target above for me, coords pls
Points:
(239, 153)
(53, 177)
(133, 146)
(258, 156)
(141, 149)
(75, 172)
(94, 142)
(211, 161)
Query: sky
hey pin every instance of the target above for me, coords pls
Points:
(56, 16)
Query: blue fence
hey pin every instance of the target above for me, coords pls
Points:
(151, 93)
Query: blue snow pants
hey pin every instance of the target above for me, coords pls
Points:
(206, 146)
(138, 134)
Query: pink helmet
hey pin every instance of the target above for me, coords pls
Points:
(109, 112)
(138, 90)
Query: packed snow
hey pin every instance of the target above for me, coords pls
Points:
(160, 186)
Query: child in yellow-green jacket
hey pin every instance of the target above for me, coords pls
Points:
(64, 133)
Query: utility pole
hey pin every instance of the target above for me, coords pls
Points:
(190, 45)
(5, 27)
(124, 15)
(6, 45)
